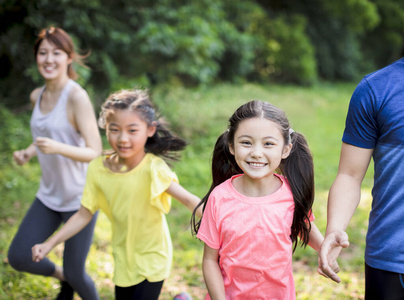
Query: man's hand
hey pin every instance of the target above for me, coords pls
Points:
(329, 252)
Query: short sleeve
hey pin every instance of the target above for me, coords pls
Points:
(161, 178)
(208, 231)
(361, 126)
(91, 192)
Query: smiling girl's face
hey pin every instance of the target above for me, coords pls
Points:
(127, 134)
(259, 147)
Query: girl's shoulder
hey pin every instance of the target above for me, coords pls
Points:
(156, 161)
(223, 189)
(285, 181)
(158, 165)
(97, 162)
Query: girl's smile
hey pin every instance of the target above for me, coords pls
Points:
(257, 165)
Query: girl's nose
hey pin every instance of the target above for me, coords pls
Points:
(123, 136)
(256, 152)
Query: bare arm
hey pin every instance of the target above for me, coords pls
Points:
(24, 155)
(315, 237)
(212, 274)
(343, 199)
(83, 119)
(74, 225)
(186, 198)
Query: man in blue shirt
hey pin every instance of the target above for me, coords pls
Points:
(374, 128)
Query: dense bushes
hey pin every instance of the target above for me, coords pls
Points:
(198, 42)
(14, 134)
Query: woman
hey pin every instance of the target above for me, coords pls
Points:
(65, 139)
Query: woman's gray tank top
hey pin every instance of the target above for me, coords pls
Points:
(62, 180)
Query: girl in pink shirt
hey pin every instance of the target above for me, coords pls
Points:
(258, 206)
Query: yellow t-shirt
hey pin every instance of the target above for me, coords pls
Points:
(135, 202)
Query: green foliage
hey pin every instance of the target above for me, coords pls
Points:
(334, 29)
(200, 42)
(183, 39)
(358, 15)
(384, 43)
(14, 133)
(286, 53)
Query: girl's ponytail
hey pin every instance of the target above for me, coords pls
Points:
(224, 166)
(298, 168)
(164, 143)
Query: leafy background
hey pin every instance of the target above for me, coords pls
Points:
(191, 43)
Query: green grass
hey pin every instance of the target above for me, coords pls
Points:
(200, 115)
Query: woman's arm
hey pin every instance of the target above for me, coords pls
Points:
(83, 119)
(24, 155)
(186, 198)
(212, 274)
(74, 225)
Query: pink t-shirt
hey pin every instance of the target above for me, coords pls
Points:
(253, 238)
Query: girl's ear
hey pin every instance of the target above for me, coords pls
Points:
(231, 149)
(151, 130)
(286, 150)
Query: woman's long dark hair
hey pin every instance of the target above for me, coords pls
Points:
(297, 167)
(163, 143)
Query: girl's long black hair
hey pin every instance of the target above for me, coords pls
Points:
(163, 143)
(297, 168)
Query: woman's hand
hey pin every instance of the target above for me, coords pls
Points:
(39, 251)
(21, 157)
(47, 145)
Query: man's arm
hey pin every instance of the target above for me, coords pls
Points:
(343, 199)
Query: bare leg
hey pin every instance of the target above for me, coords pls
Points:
(58, 274)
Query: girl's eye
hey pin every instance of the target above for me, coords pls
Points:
(246, 143)
(269, 144)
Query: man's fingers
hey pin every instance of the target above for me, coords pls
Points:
(344, 244)
(319, 271)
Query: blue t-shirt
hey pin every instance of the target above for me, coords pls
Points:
(375, 120)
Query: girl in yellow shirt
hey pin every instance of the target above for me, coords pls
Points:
(133, 186)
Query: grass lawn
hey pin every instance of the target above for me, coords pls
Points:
(200, 115)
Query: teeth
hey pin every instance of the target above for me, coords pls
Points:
(257, 164)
